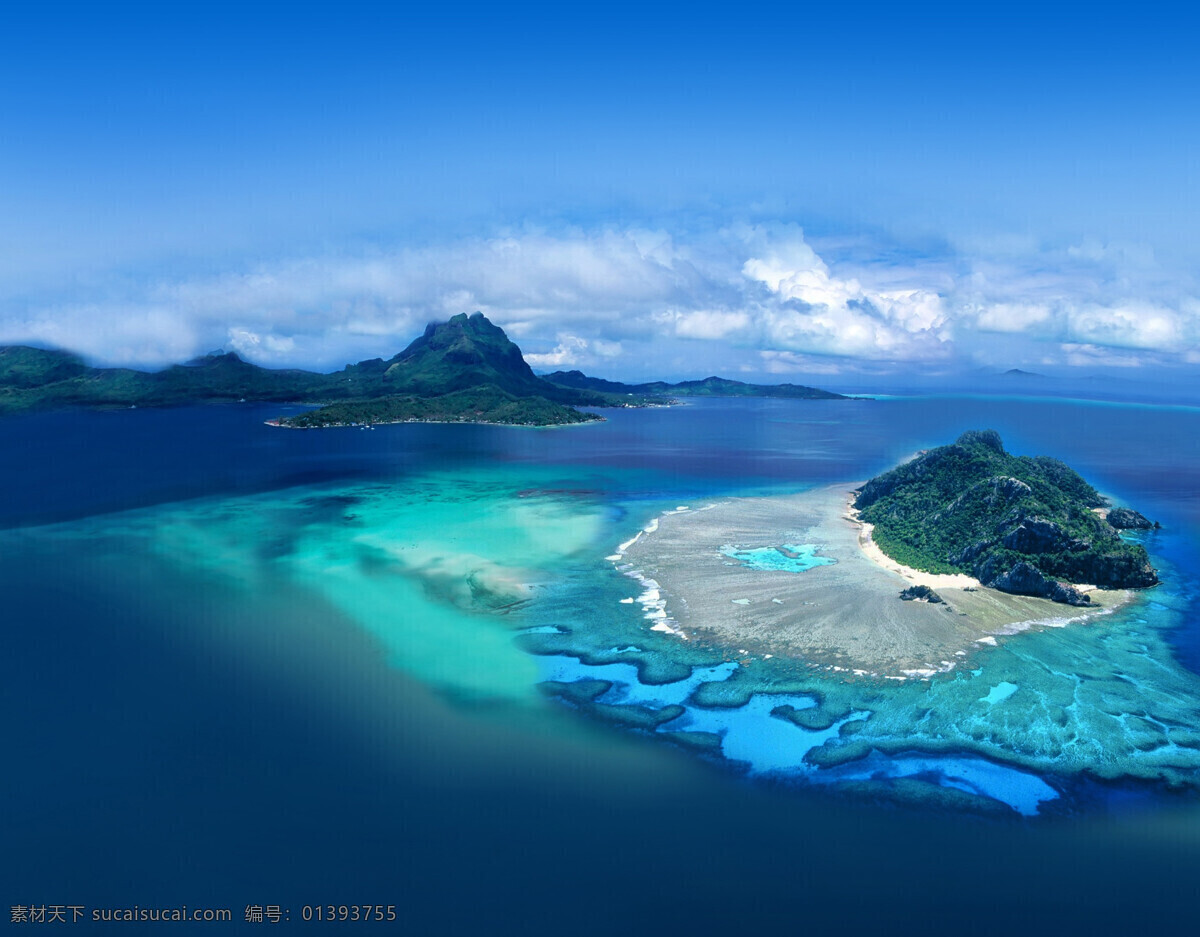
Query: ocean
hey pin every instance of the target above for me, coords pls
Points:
(245, 666)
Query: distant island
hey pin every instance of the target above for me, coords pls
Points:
(1027, 526)
(708, 387)
(1018, 372)
(463, 370)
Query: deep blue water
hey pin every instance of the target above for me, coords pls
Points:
(170, 742)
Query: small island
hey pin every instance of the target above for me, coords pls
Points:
(943, 555)
(1029, 526)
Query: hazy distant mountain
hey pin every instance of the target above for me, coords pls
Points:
(708, 387)
(1017, 372)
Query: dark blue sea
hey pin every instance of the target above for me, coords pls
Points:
(245, 666)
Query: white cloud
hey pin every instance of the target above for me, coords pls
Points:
(645, 299)
(1012, 317)
(1130, 325)
(606, 349)
(1096, 356)
(710, 324)
(567, 353)
(824, 313)
(251, 345)
(792, 364)
(1087, 304)
(117, 333)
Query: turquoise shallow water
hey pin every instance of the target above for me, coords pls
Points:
(492, 585)
(753, 736)
(433, 569)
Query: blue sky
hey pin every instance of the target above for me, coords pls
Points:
(787, 191)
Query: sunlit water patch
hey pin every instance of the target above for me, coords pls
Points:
(1000, 692)
(1023, 791)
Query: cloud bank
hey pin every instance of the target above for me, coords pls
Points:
(640, 302)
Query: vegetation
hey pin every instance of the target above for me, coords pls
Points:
(487, 404)
(467, 351)
(907, 554)
(38, 379)
(1008, 520)
(22, 368)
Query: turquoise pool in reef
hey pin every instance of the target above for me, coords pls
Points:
(788, 558)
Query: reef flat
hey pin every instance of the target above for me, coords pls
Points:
(845, 612)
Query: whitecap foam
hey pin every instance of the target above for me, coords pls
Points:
(628, 543)
(654, 606)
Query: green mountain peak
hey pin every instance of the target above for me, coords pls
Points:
(466, 351)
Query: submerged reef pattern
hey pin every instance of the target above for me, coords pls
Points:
(1101, 699)
(434, 568)
(491, 586)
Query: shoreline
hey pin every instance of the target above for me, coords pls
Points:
(275, 422)
(918, 577)
(935, 581)
(846, 617)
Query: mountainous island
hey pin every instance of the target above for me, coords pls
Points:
(463, 370)
(1023, 525)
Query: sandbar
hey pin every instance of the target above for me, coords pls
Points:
(846, 616)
